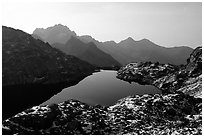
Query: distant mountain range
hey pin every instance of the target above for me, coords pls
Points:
(67, 41)
(87, 52)
(110, 53)
(129, 50)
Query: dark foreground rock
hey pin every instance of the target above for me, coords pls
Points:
(177, 111)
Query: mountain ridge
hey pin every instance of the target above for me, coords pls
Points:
(72, 45)
(130, 50)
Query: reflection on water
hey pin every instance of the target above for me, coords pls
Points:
(101, 88)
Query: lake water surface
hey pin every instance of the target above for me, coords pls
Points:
(101, 88)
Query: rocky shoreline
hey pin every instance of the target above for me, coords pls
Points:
(168, 78)
(177, 111)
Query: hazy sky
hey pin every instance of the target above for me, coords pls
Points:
(167, 24)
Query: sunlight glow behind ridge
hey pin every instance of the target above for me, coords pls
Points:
(167, 24)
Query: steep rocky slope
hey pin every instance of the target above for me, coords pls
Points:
(30, 64)
(178, 110)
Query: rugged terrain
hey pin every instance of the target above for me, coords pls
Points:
(178, 110)
(33, 71)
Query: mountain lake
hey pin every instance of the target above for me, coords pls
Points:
(101, 88)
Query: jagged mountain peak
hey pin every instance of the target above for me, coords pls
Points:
(55, 34)
(87, 36)
(131, 42)
(130, 38)
(56, 26)
(60, 25)
(145, 40)
(127, 41)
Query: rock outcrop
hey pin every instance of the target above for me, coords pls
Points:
(177, 111)
(70, 117)
(168, 78)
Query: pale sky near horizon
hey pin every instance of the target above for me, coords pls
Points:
(166, 24)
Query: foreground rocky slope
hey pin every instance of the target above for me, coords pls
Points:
(177, 111)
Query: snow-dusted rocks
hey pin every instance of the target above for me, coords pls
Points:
(142, 115)
(157, 114)
(70, 117)
(180, 85)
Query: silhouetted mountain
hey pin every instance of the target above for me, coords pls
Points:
(145, 50)
(124, 52)
(74, 46)
(55, 34)
(88, 52)
(96, 56)
(129, 50)
(110, 47)
(31, 64)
